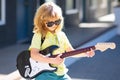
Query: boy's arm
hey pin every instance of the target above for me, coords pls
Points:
(41, 58)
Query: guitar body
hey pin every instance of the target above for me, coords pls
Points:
(29, 68)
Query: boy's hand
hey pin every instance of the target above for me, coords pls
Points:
(90, 53)
(58, 60)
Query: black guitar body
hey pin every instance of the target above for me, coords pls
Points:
(23, 62)
(24, 65)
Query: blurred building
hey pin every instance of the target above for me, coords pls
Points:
(16, 16)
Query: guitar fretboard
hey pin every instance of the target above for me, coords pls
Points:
(78, 51)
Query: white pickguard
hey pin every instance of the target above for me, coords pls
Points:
(38, 67)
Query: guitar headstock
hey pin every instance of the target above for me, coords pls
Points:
(105, 45)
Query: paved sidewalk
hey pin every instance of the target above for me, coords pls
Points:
(8, 57)
(103, 66)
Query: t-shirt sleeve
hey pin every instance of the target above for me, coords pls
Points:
(67, 43)
(36, 41)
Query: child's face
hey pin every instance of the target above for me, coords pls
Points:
(52, 24)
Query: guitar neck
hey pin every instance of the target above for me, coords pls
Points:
(99, 46)
(78, 51)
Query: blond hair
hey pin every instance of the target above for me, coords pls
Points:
(44, 12)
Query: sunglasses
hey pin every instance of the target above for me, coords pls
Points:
(50, 24)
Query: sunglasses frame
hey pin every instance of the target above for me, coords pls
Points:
(51, 23)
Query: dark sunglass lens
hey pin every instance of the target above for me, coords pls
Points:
(58, 22)
(50, 24)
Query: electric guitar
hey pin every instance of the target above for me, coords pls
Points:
(29, 68)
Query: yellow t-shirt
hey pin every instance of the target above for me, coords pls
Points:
(58, 39)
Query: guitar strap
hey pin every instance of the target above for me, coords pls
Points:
(42, 40)
(45, 52)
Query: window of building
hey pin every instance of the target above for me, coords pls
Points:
(70, 4)
(104, 3)
(51, 1)
(71, 7)
(2, 12)
(93, 4)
